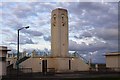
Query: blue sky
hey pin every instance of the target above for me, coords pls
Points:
(93, 26)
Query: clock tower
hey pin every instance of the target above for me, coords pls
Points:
(59, 33)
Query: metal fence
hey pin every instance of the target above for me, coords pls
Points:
(114, 69)
(26, 70)
(21, 71)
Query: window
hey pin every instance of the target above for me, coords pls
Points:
(62, 17)
(63, 24)
(54, 20)
(2, 58)
(54, 16)
(54, 24)
(8, 62)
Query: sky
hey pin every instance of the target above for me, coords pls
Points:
(93, 26)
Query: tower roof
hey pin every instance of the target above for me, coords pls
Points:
(3, 48)
(59, 9)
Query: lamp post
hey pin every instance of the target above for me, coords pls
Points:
(90, 60)
(18, 47)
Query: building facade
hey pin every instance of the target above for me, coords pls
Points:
(3, 52)
(58, 64)
(113, 61)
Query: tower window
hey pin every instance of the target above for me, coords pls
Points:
(63, 24)
(62, 16)
(54, 16)
(54, 19)
(53, 24)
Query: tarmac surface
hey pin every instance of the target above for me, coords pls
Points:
(66, 76)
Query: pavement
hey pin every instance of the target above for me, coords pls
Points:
(65, 76)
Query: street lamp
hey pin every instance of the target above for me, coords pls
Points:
(18, 46)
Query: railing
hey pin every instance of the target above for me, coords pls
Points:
(114, 69)
(22, 59)
(26, 70)
(106, 69)
(85, 60)
(51, 71)
(20, 72)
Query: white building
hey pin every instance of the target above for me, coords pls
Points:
(3, 52)
(113, 61)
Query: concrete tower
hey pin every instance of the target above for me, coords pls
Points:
(3, 67)
(59, 33)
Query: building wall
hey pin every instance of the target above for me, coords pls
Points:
(2, 68)
(59, 64)
(119, 61)
(0, 63)
(59, 33)
(79, 65)
(34, 63)
(12, 60)
(113, 61)
(3, 52)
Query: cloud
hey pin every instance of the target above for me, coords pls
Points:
(61, 1)
(92, 26)
(107, 33)
(95, 51)
(47, 38)
(100, 32)
(17, 15)
(33, 32)
(83, 35)
(97, 46)
(8, 36)
(27, 41)
(23, 11)
(94, 14)
(95, 57)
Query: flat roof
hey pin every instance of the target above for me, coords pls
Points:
(4, 48)
(113, 54)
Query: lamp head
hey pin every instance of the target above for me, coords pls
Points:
(27, 27)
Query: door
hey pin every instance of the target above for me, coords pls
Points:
(69, 64)
(44, 66)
